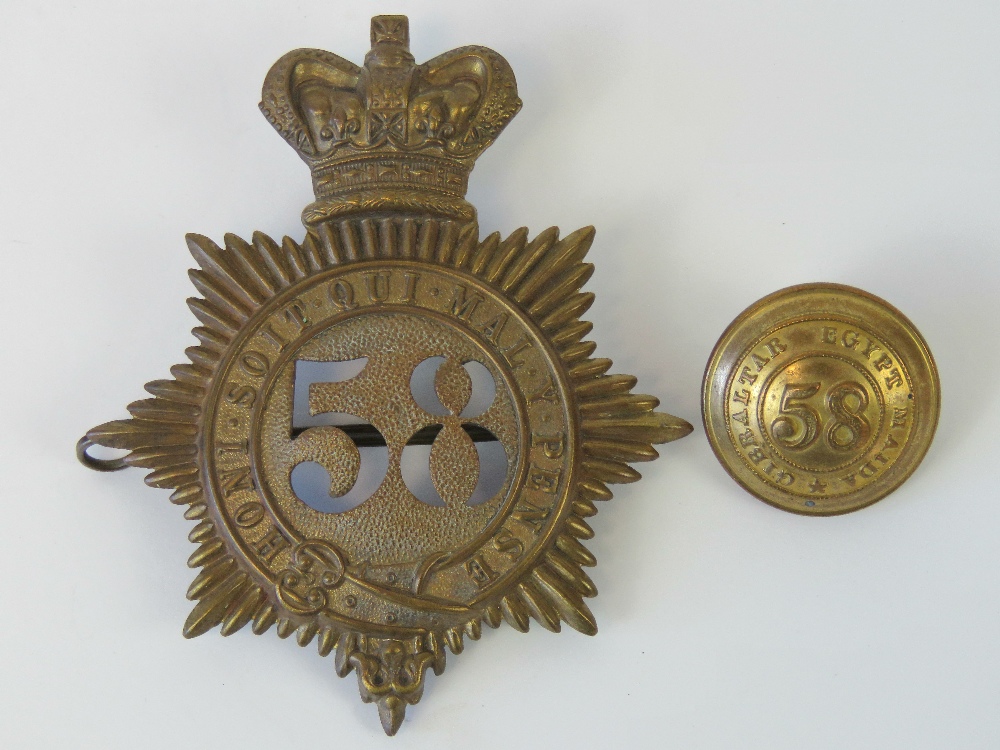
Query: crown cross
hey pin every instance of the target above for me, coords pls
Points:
(391, 136)
(391, 30)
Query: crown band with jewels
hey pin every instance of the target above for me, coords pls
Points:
(391, 136)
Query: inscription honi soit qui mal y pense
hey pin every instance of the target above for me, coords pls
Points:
(413, 291)
(819, 408)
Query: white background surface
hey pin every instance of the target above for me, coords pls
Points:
(723, 150)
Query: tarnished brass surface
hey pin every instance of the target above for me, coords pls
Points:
(392, 280)
(820, 399)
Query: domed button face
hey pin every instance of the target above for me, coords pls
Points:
(820, 399)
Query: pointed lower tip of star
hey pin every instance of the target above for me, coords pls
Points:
(391, 711)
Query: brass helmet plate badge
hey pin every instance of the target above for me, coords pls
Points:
(394, 431)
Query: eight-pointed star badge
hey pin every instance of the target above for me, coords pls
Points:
(394, 431)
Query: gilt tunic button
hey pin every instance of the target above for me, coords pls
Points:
(820, 399)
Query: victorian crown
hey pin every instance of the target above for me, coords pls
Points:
(392, 136)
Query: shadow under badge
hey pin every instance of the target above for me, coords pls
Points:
(392, 275)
